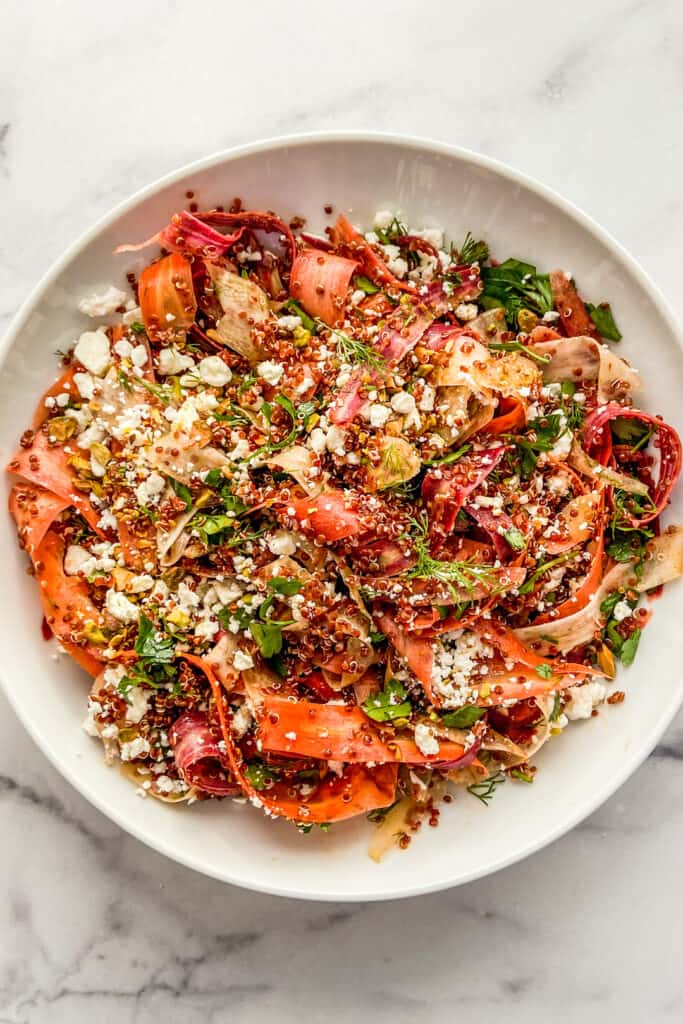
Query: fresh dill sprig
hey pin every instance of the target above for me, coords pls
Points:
(465, 575)
(352, 350)
(484, 790)
(472, 251)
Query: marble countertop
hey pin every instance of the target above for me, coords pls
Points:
(96, 101)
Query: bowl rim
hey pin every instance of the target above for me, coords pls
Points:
(638, 752)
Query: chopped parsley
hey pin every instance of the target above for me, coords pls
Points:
(463, 718)
(515, 286)
(391, 703)
(603, 319)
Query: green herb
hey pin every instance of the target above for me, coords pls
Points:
(446, 460)
(515, 286)
(260, 774)
(604, 321)
(610, 602)
(352, 350)
(237, 416)
(306, 827)
(268, 636)
(629, 648)
(376, 637)
(515, 538)
(183, 492)
(159, 391)
(389, 704)
(464, 717)
(247, 381)
(518, 346)
(557, 708)
(151, 647)
(299, 416)
(137, 328)
(631, 432)
(378, 815)
(364, 284)
(517, 773)
(285, 585)
(529, 583)
(471, 251)
(395, 230)
(123, 380)
(462, 574)
(573, 412)
(544, 671)
(545, 433)
(307, 322)
(484, 790)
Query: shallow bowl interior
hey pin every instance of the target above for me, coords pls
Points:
(433, 185)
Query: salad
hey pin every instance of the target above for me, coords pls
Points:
(337, 524)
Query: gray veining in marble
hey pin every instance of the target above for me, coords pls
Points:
(95, 101)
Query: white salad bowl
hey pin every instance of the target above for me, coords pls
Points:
(433, 185)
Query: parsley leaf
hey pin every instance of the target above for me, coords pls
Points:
(285, 585)
(544, 671)
(464, 717)
(307, 322)
(604, 321)
(629, 648)
(148, 645)
(182, 491)
(260, 774)
(389, 704)
(364, 284)
(515, 286)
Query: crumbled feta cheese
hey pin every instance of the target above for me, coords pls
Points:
(358, 296)
(289, 323)
(378, 415)
(205, 629)
(132, 315)
(270, 371)
(171, 361)
(563, 446)
(135, 748)
(455, 659)
(120, 607)
(335, 440)
(214, 371)
(241, 721)
(426, 741)
(138, 704)
(187, 598)
(102, 303)
(227, 592)
(282, 543)
(426, 403)
(242, 660)
(317, 440)
(149, 491)
(89, 723)
(466, 311)
(139, 355)
(622, 610)
(85, 385)
(93, 352)
(108, 520)
(404, 404)
(383, 219)
(432, 235)
(75, 559)
(582, 700)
